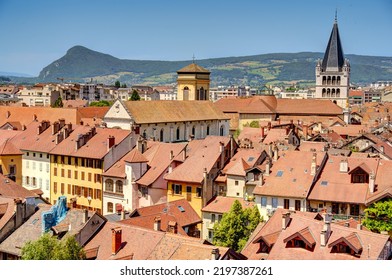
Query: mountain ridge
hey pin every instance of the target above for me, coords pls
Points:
(83, 64)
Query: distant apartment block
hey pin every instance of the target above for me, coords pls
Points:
(39, 95)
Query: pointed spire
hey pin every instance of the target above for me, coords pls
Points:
(333, 57)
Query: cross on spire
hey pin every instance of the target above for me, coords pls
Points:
(336, 14)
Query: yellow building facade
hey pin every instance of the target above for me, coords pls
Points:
(11, 165)
(192, 192)
(79, 179)
(193, 83)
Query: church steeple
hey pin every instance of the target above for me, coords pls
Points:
(333, 57)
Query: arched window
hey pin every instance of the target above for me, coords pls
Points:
(338, 80)
(202, 94)
(324, 80)
(185, 92)
(334, 80)
(333, 93)
(208, 130)
(178, 133)
(119, 186)
(161, 135)
(110, 207)
(222, 130)
(193, 131)
(328, 92)
(338, 92)
(109, 185)
(324, 92)
(329, 80)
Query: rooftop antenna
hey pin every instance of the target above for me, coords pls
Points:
(193, 58)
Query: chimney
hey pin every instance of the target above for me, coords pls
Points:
(276, 153)
(61, 123)
(110, 142)
(171, 156)
(34, 117)
(231, 146)
(261, 179)
(372, 184)
(157, 223)
(222, 153)
(183, 154)
(325, 233)
(69, 126)
(269, 126)
(39, 129)
(287, 130)
(59, 138)
(343, 167)
(262, 133)
(81, 123)
(305, 131)
(173, 227)
(278, 119)
(139, 144)
(267, 167)
(23, 127)
(7, 114)
(382, 149)
(285, 220)
(85, 216)
(347, 224)
(116, 239)
(55, 127)
(215, 254)
(270, 152)
(359, 226)
(313, 166)
(123, 214)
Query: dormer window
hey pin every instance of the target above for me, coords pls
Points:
(301, 239)
(350, 244)
(360, 174)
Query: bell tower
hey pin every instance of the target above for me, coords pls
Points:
(193, 83)
(333, 71)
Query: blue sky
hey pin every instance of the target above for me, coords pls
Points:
(36, 32)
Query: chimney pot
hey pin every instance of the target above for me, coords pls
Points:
(285, 220)
(110, 142)
(214, 254)
(116, 239)
(157, 223)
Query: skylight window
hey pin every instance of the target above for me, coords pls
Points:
(251, 158)
(279, 173)
(324, 183)
(181, 208)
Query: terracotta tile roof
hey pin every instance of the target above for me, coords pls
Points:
(350, 130)
(25, 115)
(308, 106)
(7, 206)
(135, 156)
(305, 225)
(304, 234)
(289, 176)
(92, 112)
(162, 111)
(145, 244)
(352, 223)
(9, 188)
(179, 211)
(193, 68)
(275, 134)
(202, 157)
(96, 147)
(241, 161)
(336, 186)
(307, 146)
(7, 147)
(251, 133)
(75, 103)
(353, 92)
(222, 204)
(158, 156)
(382, 181)
(253, 105)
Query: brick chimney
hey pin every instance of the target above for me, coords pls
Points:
(62, 123)
(39, 129)
(285, 220)
(262, 133)
(173, 227)
(267, 167)
(305, 131)
(171, 155)
(139, 144)
(276, 153)
(116, 239)
(110, 142)
(269, 126)
(157, 223)
(55, 127)
(184, 155)
(215, 254)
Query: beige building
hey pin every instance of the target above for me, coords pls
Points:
(40, 95)
(168, 121)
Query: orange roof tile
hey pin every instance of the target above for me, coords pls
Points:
(222, 204)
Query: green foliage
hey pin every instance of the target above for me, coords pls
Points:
(124, 85)
(58, 103)
(135, 96)
(237, 133)
(48, 247)
(236, 226)
(378, 217)
(117, 84)
(101, 103)
(254, 124)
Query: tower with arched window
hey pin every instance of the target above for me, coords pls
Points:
(333, 72)
(193, 83)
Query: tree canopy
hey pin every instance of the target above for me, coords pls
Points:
(58, 103)
(378, 217)
(135, 95)
(48, 247)
(100, 103)
(236, 226)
